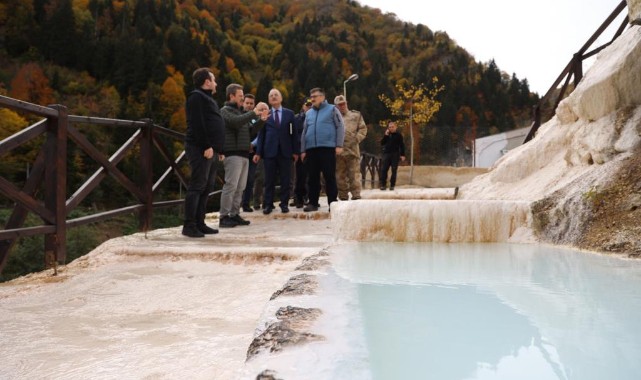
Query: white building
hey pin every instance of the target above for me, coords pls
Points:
(488, 149)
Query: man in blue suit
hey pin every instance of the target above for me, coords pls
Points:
(278, 146)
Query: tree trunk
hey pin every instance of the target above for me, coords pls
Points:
(411, 144)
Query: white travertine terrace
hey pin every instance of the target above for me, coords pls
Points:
(162, 306)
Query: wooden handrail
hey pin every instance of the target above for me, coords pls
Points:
(50, 169)
(22, 106)
(26, 135)
(574, 68)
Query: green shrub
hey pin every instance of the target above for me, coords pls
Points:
(27, 255)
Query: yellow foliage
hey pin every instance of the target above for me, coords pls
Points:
(178, 120)
(81, 13)
(172, 96)
(415, 101)
(413, 106)
(236, 77)
(10, 123)
(266, 48)
(118, 5)
(81, 4)
(255, 29)
(109, 102)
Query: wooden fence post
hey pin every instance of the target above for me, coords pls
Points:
(577, 70)
(55, 189)
(146, 175)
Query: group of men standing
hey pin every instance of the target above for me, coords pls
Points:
(323, 139)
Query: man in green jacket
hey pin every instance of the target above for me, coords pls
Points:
(238, 128)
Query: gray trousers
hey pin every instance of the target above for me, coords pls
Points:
(235, 180)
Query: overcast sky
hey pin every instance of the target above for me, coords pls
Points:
(534, 39)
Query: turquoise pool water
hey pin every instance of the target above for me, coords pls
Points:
(486, 311)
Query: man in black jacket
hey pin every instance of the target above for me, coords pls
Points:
(204, 140)
(393, 150)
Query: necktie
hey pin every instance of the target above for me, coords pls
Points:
(276, 119)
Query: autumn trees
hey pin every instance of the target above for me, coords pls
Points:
(146, 50)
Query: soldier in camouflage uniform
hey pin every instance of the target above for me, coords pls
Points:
(348, 168)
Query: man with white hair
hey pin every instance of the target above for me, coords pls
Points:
(278, 148)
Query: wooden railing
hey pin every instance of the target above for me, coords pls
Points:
(575, 68)
(48, 176)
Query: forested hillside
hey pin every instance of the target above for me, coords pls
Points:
(134, 58)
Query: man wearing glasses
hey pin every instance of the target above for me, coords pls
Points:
(321, 142)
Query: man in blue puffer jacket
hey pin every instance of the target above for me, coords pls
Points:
(321, 141)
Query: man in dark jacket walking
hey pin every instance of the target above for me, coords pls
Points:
(204, 140)
(393, 150)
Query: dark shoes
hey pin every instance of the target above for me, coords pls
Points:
(205, 229)
(356, 198)
(391, 188)
(227, 222)
(267, 210)
(198, 231)
(299, 204)
(284, 209)
(192, 231)
(310, 207)
(383, 188)
(241, 222)
(246, 208)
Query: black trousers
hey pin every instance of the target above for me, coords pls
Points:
(249, 187)
(203, 179)
(283, 167)
(390, 160)
(317, 161)
(300, 188)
